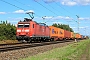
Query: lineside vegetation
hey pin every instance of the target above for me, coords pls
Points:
(7, 31)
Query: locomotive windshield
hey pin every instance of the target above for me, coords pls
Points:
(26, 25)
(23, 25)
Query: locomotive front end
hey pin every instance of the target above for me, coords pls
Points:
(22, 31)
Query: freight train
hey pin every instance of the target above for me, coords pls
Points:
(29, 31)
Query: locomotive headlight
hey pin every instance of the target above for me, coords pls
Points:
(18, 30)
(26, 30)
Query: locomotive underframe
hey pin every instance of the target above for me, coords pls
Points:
(30, 39)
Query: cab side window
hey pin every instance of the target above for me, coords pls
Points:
(33, 25)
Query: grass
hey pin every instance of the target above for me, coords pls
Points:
(88, 53)
(79, 51)
(8, 41)
(69, 52)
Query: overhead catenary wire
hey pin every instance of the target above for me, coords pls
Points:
(69, 13)
(11, 4)
(46, 7)
(66, 10)
(29, 6)
(53, 7)
(26, 5)
(60, 11)
(15, 6)
(56, 9)
(62, 7)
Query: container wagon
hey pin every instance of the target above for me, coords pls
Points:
(72, 36)
(67, 35)
(60, 34)
(56, 33)
(77, 36)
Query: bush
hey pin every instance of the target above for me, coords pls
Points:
(7, 31)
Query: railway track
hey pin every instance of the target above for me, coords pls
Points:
(10, 44)
(16, 46)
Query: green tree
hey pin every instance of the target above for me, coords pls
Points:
(7, 31)
(63, 26)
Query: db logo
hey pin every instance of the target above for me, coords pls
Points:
(61, 32)
(23, 30)
(52, 31)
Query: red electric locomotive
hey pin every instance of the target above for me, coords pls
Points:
(29, 30)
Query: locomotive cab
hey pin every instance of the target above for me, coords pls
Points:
(23, 30)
